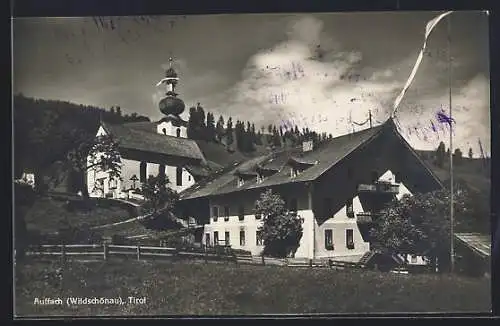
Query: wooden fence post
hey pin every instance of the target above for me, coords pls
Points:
(206, 255)
(310, 263)
(105, 251)
(138, 252)
(263, 262)
(63, 253)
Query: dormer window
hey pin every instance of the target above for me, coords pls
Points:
(298, 165)
(294, 172)
(245, 176)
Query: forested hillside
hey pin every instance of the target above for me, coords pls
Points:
(45, 130)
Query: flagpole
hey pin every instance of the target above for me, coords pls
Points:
(452, 248)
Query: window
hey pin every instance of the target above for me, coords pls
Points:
(241, 182)
(216, 238)
(207, 239)
(329, 239)
(374, 176)
(142, 171)
(226, 238)
(215, 213)
(397, 177)
(294, 172)
(349, 208)
(112, 183)
(161, 169)
(179, 176)
(178, 132)
(226, 213)
(242, 238)
(349, 239)
(293, 204)
(260, 241)
(413, 259)
(164, 131)
(327, 206)
(189, 177)
(241, 213)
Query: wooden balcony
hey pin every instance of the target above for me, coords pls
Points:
(379, 188)
(364, 218)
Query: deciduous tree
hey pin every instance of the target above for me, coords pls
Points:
(281, 229)
(420, 224)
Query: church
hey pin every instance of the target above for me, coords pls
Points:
(336, 187)
(151, 148)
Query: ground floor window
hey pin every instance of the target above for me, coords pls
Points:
(349, 238)
(242, 238)
(226, 238)
(207, 239)
(413, 259)
(260, 241)
(329, 239)
(216, 238)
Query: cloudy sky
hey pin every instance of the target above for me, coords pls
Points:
(316, 70)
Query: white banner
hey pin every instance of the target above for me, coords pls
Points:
(428, 29)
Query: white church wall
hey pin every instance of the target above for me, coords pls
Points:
(166, 127)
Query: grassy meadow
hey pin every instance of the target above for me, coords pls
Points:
(185, 288)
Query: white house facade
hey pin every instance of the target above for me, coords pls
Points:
(337, 188)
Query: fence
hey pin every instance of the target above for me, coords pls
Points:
(105, 251)
(220, 253)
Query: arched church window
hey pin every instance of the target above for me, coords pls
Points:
(112, 183)
(164, 131)
(178, 131)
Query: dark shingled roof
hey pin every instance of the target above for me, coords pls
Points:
(138, 138)
(142, 125)
(477, 242)
(325, 157)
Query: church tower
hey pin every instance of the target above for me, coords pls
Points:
(171, 106)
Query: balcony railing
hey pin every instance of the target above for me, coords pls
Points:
(364, 218)
(379, 187)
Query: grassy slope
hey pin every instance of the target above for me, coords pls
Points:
(472, 171)
(47, 214)
(188, 288)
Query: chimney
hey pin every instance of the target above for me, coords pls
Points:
(307, 145)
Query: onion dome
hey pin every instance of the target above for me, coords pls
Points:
(172, 105)
(170, 73)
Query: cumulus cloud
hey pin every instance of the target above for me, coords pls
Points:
(309, 80)
(470, 111)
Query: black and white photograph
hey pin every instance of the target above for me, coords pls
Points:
(251, 164)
